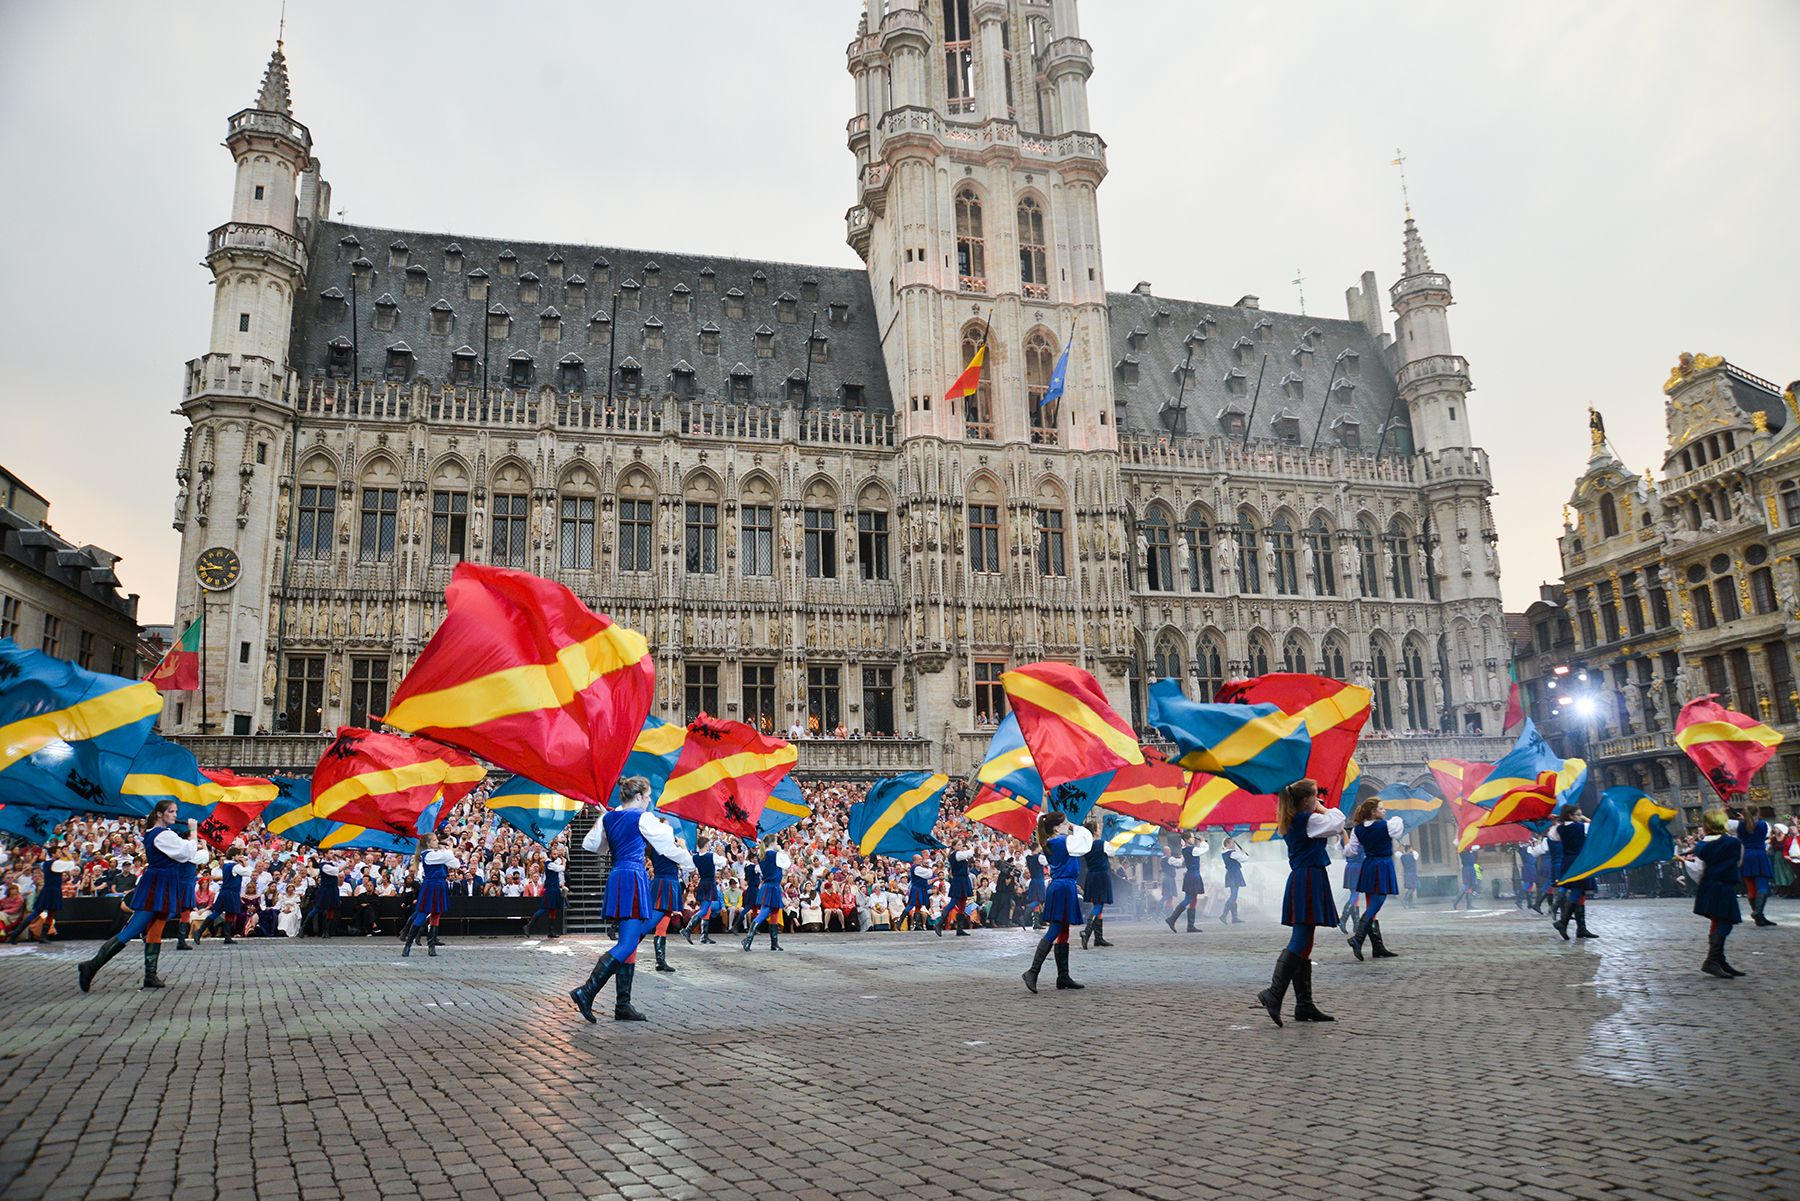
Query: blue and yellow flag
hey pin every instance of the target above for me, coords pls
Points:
(32, 824)
(653, 756)
(291, 816)
(898, 817)
(1628, 828)
(1128, 836)
(786, 807)
(1008, 767)
(1411, 805)
(1521, 767)
(535, 811)
(68, 735)
(1256, 746)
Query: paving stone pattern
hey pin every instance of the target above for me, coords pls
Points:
(1491, 1061)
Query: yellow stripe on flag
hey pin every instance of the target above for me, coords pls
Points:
(145, 784)
(1004, 765)
(388, 780)
(1245, 743)
(896, 812)
(528, 688)
(998, 804)
(1073, 710)
(293, 817)
(1642, 810)
(791, 808)
(553, 802)
(660, 740)
(88, 719)
(1117, 841)
(729, 767)
(1724, 731)
(1204, 799)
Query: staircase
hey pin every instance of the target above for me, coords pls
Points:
(585, 885)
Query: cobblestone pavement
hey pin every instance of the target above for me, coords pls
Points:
(1491, 1061)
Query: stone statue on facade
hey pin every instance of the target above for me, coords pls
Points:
(1347, 567)
(1227, 555)
(181, 497)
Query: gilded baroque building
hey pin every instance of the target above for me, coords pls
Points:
(755, 463)
(1680, 584)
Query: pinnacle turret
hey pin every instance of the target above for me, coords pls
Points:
(272, 97)
(1413, 260)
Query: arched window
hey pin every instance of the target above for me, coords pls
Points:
(1259, 654)
(1168, 658)
(971, 247)
(959, 57)
(1249, 554)
(1324, 566)
(1282, 564)
(1331, 662)
(1725, 589)
(1197, 533)
(1762, 582)
(1034, 276)
(1413, 667)
(1609, 517)
(1293, 654)
(637, 498)
(978, 406)
(1209, 666)
(1159, 562)
(1368, 566)
(1040, 361)
(1382, 710)
(575, 521)
(1399, 552)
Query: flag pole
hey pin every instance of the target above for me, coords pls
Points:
(202, 620)
(1249, 421)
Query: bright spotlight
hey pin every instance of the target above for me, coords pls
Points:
(1585, 706)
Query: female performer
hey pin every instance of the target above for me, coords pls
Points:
(1307, 904)
(1375, 833)
(706, 890)
(626, 831)
(752, 891)
(434, 895)
(770, 900)
(228, 905)
(1064, 844)
(1096, 885)
(665, 899)
(49, 899)
(1034, 892)
(550, 903)
(962, 889)
(918, 894)
(1171, 865)
(1471, 878)
(160, 895)
(1758, 871)
(1235, 859)
(1409, 876)
(1353, 856)
(1192, 886)
(1570, 833)
(1721, 854)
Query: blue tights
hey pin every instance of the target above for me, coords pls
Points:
(1372, 902)
(140, 921)
(763, 915)
(1300, 942)
(1054, 932)
(631, 932)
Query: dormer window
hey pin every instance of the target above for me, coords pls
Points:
(809, 291)
(599, 327)
(387, 310)
(554, 265)
(1233, 421)
(529, 290)
(796, 386)
(1136, 338)
(331, 304)
(709, 338)
(499, 322)
(399, 361)
(1236, 382)
(417, 280)
(765, 342)
(399, 255)
(1344, 391)
(653, 334)
(652, 273)
(443, 318)
(1127, 369)
(1348, 432)
(1262, 330)
(1196, 339)
(681, 380)
(1349, 363)
(738, 384)
(759, 284)
(1292, 386)
(570, 373)
(509, 263)
(361, 267)
(787, 308)
(1174, 418)
(1243, 348)
(550, 325)
(339, 361)
(349, 240)
(734, 303)
(816, 347)
(681, 299)
(837, 313)
(1183, 372)
(478, 284)
(631, 376)
(462, 365)
(853, 396)
(628, 295)
(1302, 355)
(602, 272)
(518, 369)
(453, 259)
(709, 280)
(1287, 427)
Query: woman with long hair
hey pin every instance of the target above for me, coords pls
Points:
(1375, 833)
(1192, 886)
(550, 901)
(1306, 904)
(1758, 870)
(771, 900)
(1096, 885)
(1570, 833)
(1063, 844)
(436, 864)
(1721, 857)
(162, 892)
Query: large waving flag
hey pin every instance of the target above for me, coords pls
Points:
(1127, 836)
(1471, 833)
(1413, 807)
(1334, 714)
(1213, 802)
(1007, 765)
(1629, 828)
(402, 785)
(898, 816)
(179, 670)
(653, 755)
(1728, 747)
(539, 813)
(68, 735)
(1152, 792)
(1457, 778)
(290, 816)
(1003, 812)
(1521, 768)
(1527, 803)
(787, 807)
(31, 823)
(223, 802)
(524, 675)
(724, 775)
(1256, 746)
(1072, 731)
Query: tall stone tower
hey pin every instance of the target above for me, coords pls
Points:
(1460, 545)
(976, 213)
(237, 402)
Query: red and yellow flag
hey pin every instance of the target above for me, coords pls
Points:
(241, 799)
(1728, 747)
(179, 670)
(385, 782)
(1526, 803)
(1334, 713)
(1153, 791)
(1072, 731)
(970, 379)
(1458, 778)
(725, 774)
(1471, 833)
(532, 680)
(1004, 812)
(1215, 802)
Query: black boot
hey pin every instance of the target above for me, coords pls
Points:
(706, 937)
(1757, 907)
(1304, 1009)
(1723, 962)
(622, 1009)
(1271, 997)
(1381, 951)
(774, 937)
(1191, 927)
(1356, 940)
(1562, 921)
(152, 952)
(228, 940)
(1170, 920)
(749, 939)
(1349, 917)
(1063, 979)
(662, 955)
(1457, 903)
(1100, 932)
(1087, 932)
(962, 925)
(412, 935)
(181, 941)
(85, 972)
(1581, 930)
(431, 941)
(1715, 956)
(1037, 964)
(530, 924)
(583, 996)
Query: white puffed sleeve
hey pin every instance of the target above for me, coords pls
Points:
(1318, 825)
(1396, 827)
(591, 841)
(442, 856)
(175, 846)
(781, 859)
(661, 837)
(1080, 841)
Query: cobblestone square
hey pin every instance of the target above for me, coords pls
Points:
(1491, 1061)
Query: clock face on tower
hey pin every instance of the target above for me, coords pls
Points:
(217, 568)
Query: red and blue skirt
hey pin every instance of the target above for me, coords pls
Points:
(434, 898)
(1062, 903)
(1308, 900)
(1377, 876)
(628, 893)
(665, 894)
(162, 892)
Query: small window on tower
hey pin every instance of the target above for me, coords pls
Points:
(1453, 412)
(259, 191)
(243, 323)
(262, 452)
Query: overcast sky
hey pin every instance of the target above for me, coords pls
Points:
(1607, 185)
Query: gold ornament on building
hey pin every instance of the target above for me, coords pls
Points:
(1760, 420)
(1688, 364)
(1596, 429)
(1792, 402)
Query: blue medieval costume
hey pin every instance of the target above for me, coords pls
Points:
(1306, 904)
(1192, 887)
(1376, 880)
(550, 902)
(1096, 890)
(1234, 883)
(1758, 870)
(628, 901)
(163, 891)
(962, 891)
(433, 902)
(770, 899)
(1062, 904)
(1721, 857)
(1571, 835)
(706, 895)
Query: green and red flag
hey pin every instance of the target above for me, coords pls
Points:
(1515, 711)
(179, 670)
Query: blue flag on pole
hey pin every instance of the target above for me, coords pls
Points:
(535, 811)
(1128, 836)
(68, 735)
(1628, 828)
(31, 823)
(1257, 747)
(897, 818)
(786, 807)
(1059, 377)
(1410, 805)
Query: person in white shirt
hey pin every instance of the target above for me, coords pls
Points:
(436, 864)
(159, 896)
(771, 899)
(48, 901)
(1307, 904)
(1375, 833)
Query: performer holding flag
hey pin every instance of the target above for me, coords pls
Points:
(550, 905)
(706, 890)
(160, 895)
(1374, 835)
(1096, 885)
(1063, 843)
(962, 890)
(1308, 825)
(1758, 870)
(1570, 833)
(918, 894)
(771, 901)
(1192, 886)
(434, 894)
(1720, 855)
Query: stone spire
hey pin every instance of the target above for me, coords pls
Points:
(1413, 260)
(272, 97)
